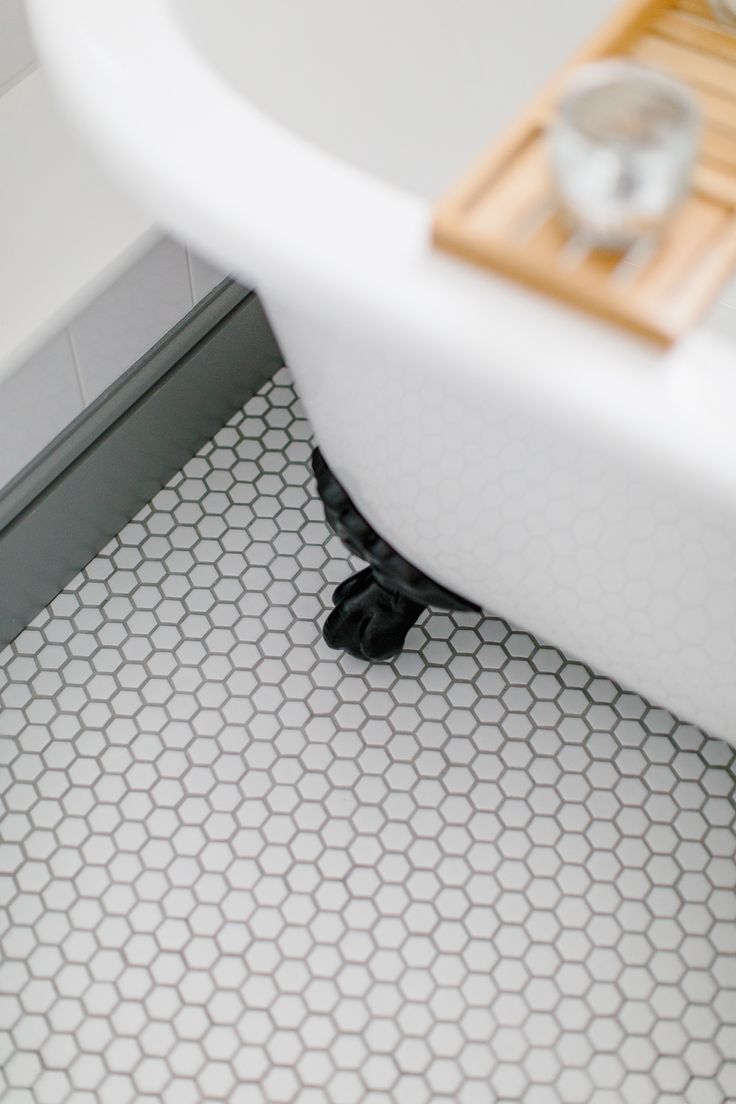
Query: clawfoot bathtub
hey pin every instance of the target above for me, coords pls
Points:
(540, 464)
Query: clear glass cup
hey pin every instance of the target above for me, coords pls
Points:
(623, 146)
(725, 11)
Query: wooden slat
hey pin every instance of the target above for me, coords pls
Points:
(507, 201)
(691, 65)
(719, 150)
(624, 26)
(599, 266)
(604, 301)
(719, 112)
(695, 7)
(700, 285)
(691, 32)
(548, 240)
(715, 184)
(718, 107)
(553, 239)
(697, 223)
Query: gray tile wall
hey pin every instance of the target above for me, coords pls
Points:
(40, 397)
(130, 316)
(36, 403)
(16, 48)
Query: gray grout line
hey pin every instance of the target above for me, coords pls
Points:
(190, 274)
(18, 77)
(77, 368)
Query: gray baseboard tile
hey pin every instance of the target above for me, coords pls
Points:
(64, 507)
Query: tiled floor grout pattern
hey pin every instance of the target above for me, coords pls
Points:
(236, 866)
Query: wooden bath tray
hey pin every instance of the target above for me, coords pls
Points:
(502, 215)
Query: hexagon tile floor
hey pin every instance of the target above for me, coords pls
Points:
(239, 867)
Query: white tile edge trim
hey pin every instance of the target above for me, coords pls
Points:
(68, 309)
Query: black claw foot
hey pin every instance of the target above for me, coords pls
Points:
(369, 622)
(374, 609)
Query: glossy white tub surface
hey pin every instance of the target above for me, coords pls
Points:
(575, 480)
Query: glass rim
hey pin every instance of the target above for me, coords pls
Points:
(597, 75)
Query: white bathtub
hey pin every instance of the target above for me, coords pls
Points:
(557, 472)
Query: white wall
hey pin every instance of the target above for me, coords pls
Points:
(68, 363)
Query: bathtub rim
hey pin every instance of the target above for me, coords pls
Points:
(216, 170)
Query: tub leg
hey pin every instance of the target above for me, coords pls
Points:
(375, 608)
